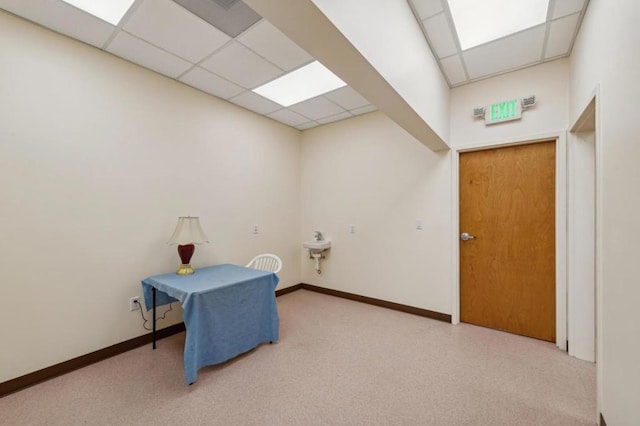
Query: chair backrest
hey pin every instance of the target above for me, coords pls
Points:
(266, 262)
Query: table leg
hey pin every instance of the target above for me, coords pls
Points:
(154, 317)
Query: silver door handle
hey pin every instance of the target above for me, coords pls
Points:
(466, 237)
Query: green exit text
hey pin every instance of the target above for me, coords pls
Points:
(503, 110)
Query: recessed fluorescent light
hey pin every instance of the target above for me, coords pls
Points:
(111, 11)
(304, 83)
(479, 22)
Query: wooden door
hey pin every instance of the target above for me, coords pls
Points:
(507, 273)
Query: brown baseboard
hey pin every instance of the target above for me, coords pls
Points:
(378, 302)
(31, 379)
(39, 376)
(287, 290)
(602, 422)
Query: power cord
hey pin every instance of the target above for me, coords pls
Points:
(144, 324)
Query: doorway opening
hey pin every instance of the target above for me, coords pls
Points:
(581, 259)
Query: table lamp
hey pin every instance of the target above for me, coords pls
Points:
(188, 232)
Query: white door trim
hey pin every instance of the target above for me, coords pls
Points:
(577, 124)
(581, 291)
(561, 223)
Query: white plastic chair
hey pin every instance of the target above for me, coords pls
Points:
(266, 262)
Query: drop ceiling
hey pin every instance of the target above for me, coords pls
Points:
(224, 48)
(552, 39)
(221, 47)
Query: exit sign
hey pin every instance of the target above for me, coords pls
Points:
(503, 111)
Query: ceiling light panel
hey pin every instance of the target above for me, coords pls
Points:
(304, 83)
(63, 18)
(111, 11)
(478, 22)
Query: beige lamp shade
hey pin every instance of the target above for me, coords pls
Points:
(188, 231)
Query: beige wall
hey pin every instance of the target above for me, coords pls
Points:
(549, 82)
(368, 172)
(605, 56)
(98, 157)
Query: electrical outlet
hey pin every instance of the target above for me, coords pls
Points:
(134, 303)
(255, 228)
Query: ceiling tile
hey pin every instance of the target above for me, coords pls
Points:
(230, 19)
(509, 53)
(315, 108)
(240, 65)
(363, 110)
(147, 55)
(566, 7)
(347, 98)
(255, 103)
(211, 83)
(173, 28)
(63, 18)
(337, 117)
(505, 54)
(288, 117)
(427, 8)
(453, 69)
(307, 125)
(268, 42)
(440, 35)
(560, 36)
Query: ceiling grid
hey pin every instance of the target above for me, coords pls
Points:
(166, 37)
(225, 49)
(552, 39)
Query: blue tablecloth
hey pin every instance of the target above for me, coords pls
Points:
(227, 310)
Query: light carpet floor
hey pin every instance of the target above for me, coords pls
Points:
(338, 362)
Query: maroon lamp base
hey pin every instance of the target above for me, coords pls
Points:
(185, 252)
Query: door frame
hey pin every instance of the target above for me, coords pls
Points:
(592, 106)
(581, 261)
(560, 138)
